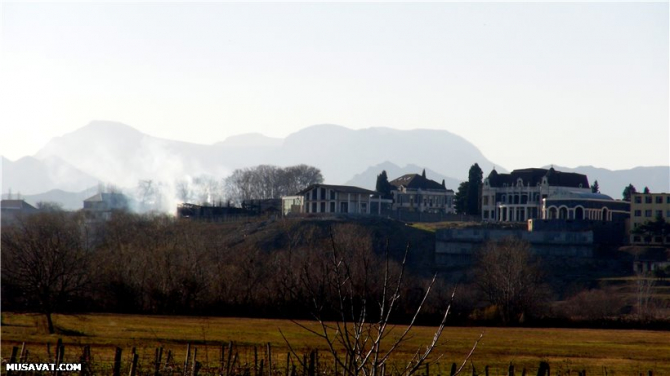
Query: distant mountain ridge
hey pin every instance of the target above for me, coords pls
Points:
(111, 152)
(368, 178)
(613, 182)
(116, 153)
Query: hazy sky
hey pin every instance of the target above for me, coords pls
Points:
(528, 83)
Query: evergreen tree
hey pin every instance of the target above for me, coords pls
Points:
(461, 198)
(646, 190)
(628, 192)
(475, 176)
(595, 188)
(383, 186)
(423, 174)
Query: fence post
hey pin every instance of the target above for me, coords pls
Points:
(22, 353)
(230, 356)
(510, 371)
(133, 365)
(157, 360)
(194, 367)
(269, 359)
(186, 358)
(544, 369)
(116, 370)
(453, 369)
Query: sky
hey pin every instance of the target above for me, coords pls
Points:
(530, 84)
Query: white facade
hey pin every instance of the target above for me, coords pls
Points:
(516, 200)
(338, 199)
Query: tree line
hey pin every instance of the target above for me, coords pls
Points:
(58, 262)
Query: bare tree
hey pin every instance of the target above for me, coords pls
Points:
(266, 182)
(354, 305)
(510, 277)
(45, 256)
(183, 190)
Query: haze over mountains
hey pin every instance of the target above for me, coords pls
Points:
(110, 152)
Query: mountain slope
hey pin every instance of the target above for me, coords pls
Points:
(29, 176)
(340, 151)
(368, 178)
(613, 182)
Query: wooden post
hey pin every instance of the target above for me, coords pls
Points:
(486, 370)
(168, 359)
(312, 364)
(510, 371)
(22, 354)
(427, 369)
(544, 369)
(60, 355)
(230, 357)
(453, 369)
(255, 361)
(15, 352)
(133, 365)
(269, 359)
(194, 366)
(157, 360)
(288, 363)
(12, 358)
(186, 358)
(116, 371)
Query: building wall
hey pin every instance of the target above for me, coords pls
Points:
(645, 208)
(464, 242)
(423, 200)
(519, 202)
(327, 200)
(585, 209)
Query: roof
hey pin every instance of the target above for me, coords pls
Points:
(112, 200)
(105, 197)
(534, 176)
(416, 181)
(580, 196)
(339, 188)
(16, 205)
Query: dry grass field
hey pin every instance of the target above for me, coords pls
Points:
(599, 352)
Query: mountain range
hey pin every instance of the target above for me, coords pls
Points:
(104, 152)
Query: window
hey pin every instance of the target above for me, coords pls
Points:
(659, 199)
(659, 213)
(638, 199)
(364, 207)
(332, 207)
(667, 214)
(638, 213)
(667, 199)
(323, 207)
(647, 213)
(332, 195)
(486, 200)
(323, 193)
(647, 199)
(313, 207)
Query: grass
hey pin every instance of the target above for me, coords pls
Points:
(622, 352)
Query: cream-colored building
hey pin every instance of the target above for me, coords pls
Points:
(414, 192)
(646, 207)
(336, 199)
(518, 196)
